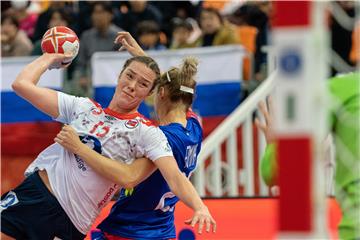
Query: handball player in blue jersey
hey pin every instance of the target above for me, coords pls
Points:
(147, 210)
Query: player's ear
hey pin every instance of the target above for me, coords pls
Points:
(161, 92)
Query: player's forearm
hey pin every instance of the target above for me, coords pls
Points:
(183, 189)
(127, 176)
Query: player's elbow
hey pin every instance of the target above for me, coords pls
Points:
(19, 86)
(16, 86)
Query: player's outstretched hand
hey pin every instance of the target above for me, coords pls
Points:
(202, 217)
(267, 126)
(58, 60)
(129, 43)
(69, 139)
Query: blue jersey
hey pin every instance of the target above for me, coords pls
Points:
(147, 211)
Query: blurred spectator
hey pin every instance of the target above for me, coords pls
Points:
(84, 23)
(355, 46)
(44, 18)
(340, 35)
(218, 5)
(148, 33)
(182, 30)
(57, 18)
(215, 31)
(256, 14)
(27, 21)
(137, 12)
(175, 9)
(5, 7)
(99, 38)
(14, 41)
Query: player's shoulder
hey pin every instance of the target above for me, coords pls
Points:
(193, 118)
(146, 122)
(142, 124)
(79, 101)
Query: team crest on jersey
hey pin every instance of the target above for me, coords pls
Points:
(96, 110)
(9, 200)
(132, 123)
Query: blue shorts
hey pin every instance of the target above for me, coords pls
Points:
(31, 211)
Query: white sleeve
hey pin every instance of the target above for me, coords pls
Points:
(154, 143)
(67, 107)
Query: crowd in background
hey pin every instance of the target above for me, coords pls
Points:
(156, 25)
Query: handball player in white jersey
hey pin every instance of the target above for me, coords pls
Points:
(62, 196)
(147, 212)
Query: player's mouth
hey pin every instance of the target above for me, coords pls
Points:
(128, 94)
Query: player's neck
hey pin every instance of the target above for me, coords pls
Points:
(116, 108)
(176, 115)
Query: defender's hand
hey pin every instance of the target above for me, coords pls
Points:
(202, 216)
(129, 43)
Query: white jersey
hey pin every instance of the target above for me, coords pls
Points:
(124, 137)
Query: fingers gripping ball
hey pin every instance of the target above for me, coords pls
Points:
(61, 40)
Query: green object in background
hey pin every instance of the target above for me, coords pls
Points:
(345, 124)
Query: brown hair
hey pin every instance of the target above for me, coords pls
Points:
(175, 78)
(149, 62)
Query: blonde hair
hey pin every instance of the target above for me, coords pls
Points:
(180, 82)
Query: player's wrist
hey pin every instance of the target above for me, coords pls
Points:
(81, 150)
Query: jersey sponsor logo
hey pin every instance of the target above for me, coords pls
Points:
(107, 196)
(132, 123)
(126, 192)
(129, 191)
(10, 200)
(110, 118)
(80, 163)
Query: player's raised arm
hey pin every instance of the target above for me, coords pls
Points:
(25, 84)
(129, 43)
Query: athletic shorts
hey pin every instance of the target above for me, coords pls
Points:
(97, 234)
(31, 211)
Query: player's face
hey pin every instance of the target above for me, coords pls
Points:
(134, 85)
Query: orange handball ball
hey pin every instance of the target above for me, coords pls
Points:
(60, 39)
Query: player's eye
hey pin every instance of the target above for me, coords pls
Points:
(129, 75)
(143, 84)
